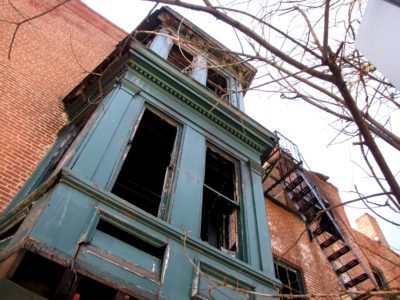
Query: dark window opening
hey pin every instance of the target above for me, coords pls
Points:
(9, 233)
(220, 208)
(85, 288)
(217, 83)
(145, 39)
(291, 280)
(380, 280)
(180, 59)
(90, 289)
(50, 280)
(147, 31)
(143, 172)
(38, 274)
(130, 239)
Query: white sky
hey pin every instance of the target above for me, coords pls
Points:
(306, 126)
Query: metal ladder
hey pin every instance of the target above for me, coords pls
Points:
(314, 211)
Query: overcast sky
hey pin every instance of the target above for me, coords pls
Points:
(310, 129)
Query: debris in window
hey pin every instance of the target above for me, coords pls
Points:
(38, 274)
(180, 59)
(217, 83)
(220, 208)
(130, 239)
(143, 173)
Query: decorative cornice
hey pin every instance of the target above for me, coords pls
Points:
(196, 96)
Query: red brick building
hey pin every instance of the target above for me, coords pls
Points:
(292, 245)
(50, 56)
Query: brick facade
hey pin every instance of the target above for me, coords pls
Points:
(367, 225)
(49, 57)
(291, 243)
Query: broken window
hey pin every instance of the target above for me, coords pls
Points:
(220, 202)
(53, 281)
(147, 169)
(291, 278)
(7, 235)
(38, 274)
(217, 83)
(381, 282)
(130, 239)
(180, 59)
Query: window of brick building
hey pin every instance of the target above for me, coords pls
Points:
(381, 282)
(147, 170)
(291, 278)
(220, 201)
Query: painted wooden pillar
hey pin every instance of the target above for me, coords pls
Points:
(186, 206)
(200, 69)
(162, 43)
(260, 217)
(102, 148)
(236, 97)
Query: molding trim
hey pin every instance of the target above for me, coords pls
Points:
(112, 201)
(194, 95)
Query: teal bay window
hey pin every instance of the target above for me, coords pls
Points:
(156, 178)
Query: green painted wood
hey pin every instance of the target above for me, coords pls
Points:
(260, 217)
(65, 218)
(155, 228)
(90, 127)
(177, 274)
(90, 157)
(112, 158)
(62, 221)
(126, 252)
(119, 276)
(195, 95)
(165, 102)
(185, 206)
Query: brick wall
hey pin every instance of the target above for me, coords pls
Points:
(50, 56)
(367, 225)
(288, 232)
(291, 243)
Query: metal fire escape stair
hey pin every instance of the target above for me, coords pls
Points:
(314, 211)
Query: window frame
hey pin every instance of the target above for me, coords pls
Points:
(235, 203)
(298, 273)
(381, 277)
(228, 91)
(223, 92)
(188, 70)
(170, 174)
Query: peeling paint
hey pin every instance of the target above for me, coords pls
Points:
(189, 176)
(165, 264)
(121, 263)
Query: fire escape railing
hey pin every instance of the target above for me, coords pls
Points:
(286, 173)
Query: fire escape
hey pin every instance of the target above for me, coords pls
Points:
(286, 182)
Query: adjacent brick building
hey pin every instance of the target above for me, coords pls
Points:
(50, 57)
(292, 245)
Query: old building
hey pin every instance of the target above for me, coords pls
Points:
(145, 177)
(316, 244)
